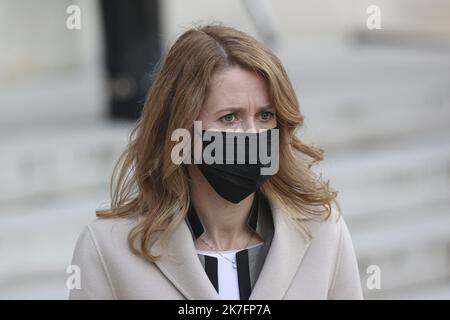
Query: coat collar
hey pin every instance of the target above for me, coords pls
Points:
(180, 264)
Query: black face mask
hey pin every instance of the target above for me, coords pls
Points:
(236, 175)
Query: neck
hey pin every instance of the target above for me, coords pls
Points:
(224, 222)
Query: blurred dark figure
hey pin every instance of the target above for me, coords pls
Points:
(132, 49)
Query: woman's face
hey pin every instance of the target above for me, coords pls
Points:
(238, 99)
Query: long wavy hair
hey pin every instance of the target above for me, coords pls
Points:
(147, 186)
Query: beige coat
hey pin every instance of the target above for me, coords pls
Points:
(324, 267)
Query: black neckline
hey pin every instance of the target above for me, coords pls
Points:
(198, 229)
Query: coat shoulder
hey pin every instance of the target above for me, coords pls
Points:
(330, 229)
(110, 232)
(104, 226)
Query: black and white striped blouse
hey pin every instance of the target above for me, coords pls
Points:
(237, 283)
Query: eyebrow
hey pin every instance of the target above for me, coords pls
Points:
(237, 109)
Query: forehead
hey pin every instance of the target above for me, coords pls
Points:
(236, 87)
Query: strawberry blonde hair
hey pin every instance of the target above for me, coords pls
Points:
(148, 186)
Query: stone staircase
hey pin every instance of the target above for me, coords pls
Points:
(55, 179)
(382, 114)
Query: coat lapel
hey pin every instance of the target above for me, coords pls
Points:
(283, 259)
(180, 263)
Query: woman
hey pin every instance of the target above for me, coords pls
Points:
(198, 230)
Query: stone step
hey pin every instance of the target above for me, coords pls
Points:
(411, 250)
(60, 158)
(353, 95)
(431, 291)
(373, 115)
(37, 241)
(391, 177)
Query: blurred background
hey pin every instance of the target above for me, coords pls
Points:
(377, 100)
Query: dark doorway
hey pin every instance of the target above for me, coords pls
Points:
(132, 49)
